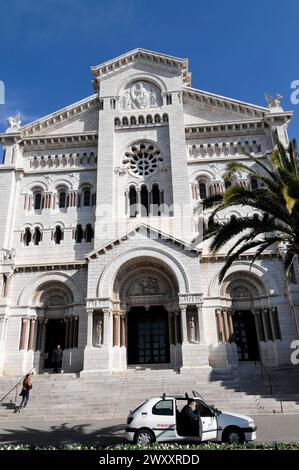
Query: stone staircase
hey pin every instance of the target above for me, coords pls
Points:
(70, 397)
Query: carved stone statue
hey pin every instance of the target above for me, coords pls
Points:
(153, 99)
(126, 100)
(99, 333)
(14, 123)
(273, 102)
(8, 254)
(140, 95)
(192, 333)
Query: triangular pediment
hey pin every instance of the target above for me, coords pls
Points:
(145, 57)
(203, 107)
(78, 118)
(146, 231)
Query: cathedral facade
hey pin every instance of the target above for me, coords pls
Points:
(101, 222)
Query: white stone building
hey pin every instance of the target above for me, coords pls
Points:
(99, 211)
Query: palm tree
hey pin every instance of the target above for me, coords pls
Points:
(277, 200)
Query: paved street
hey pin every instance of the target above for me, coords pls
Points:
(282, 428)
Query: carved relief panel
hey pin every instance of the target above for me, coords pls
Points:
(140, 95)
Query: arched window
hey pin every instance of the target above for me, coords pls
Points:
(86, 197)
(133, 201)
(157, 118)
(88, 233)
(168, 98)
(133, 121)
(144, 201)
(37, 201)
(140, 120)
(165, 117)
(79, 234)
(254, 184)
(117, 121)
(62, 199)
(149, 119)
(58, 235)
(37, 236)
(27, 236)
(125, 121)
(202, 190)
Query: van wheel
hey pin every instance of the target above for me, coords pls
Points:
(144, 437)
(233, 436)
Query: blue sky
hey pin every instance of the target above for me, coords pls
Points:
(237, 49)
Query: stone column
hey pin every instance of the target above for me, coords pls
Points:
(7, 285)
(178, 328)
(31, 334)
(76, 331)
(115, 329)
(225, 323)
(219, 324)
(127, 204)
(170, 327)
(138, 202)
(71, 332)
(200, 323)
(123, 330)
(2, 333)
(39, 335)
(23, 333)
(184, 323)
(1, 285)
(230, 325)
(67, 329)
(89, 327)
(174, 327)
(265, 324)
(106, 316)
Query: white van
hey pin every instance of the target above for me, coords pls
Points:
(163, 419)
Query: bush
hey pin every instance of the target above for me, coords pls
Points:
(162, 446)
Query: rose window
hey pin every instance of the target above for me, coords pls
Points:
(143, 159)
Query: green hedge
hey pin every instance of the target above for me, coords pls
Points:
(168, 446)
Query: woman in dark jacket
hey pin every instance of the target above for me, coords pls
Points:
(27, 386)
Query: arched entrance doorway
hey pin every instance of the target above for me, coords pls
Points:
(148, 335)
(146, 292)
(56, 323)
(55, 334)
(245, 335)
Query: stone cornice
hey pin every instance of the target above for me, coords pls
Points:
(142, 55)
(50, 267)
(225, 128)
(221, 257)
(40, 142)
(224, 102)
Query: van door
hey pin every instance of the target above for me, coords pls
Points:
(208, 422)
(163, 420)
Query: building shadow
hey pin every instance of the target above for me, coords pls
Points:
(64, 434)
